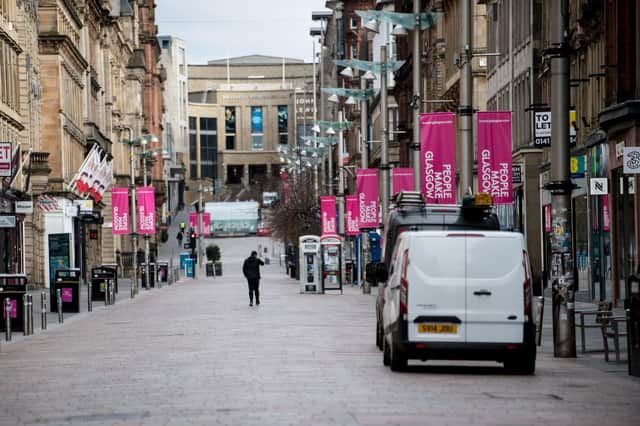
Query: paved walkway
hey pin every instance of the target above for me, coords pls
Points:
(195, 353)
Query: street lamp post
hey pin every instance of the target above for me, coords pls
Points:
(417, 79)
(341, 226)
(134, 221)
(466, 99)
(384, 152)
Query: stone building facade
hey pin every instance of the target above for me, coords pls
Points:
(239, 112)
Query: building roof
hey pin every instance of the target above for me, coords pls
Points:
(255, 60)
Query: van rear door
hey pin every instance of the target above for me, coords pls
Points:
(495, 287)
(436, 288)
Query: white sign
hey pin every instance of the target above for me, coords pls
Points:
(7, 221)
(631, 160)
(85, 205)
(5, 159)
(542, 128)
(599, 186)
(24, 207)
(619, 149)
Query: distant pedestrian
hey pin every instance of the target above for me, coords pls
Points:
(251, 271)
(179, 237)
(182, 225)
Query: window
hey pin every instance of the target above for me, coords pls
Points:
(165, 44)
(257, 143)
(230, 127)
(283, 124)
(9, 84)
(208, 147)
(193, 149)
(353, 22)
(353, 51)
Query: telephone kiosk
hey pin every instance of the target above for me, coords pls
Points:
(310, 264)
(332, 262)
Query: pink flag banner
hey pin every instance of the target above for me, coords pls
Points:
(120, 211)
(367, 188)
(438, 157)
(146, 210)
(328, 214)
(494, 155)
(206, 224)
(402, 180)
(351, 215)
(193, 221)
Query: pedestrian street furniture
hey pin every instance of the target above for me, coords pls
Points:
(592, 319)
(632, 307)
(163, 271)
(612, 329)
(309, 254)
(116, 268)
(13, 287)
(68, 282)
(332, 262)
(152, 274)
(102, 278)
(183, 259)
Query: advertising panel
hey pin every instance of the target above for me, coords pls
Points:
(494, 155)
(438, 156)
(328, 215)
(367, 188)
(120, 211)
(351, 215)
(402, 180)
(146, 210)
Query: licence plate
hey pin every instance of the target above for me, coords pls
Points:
(438, 328)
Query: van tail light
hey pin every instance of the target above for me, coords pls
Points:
(527, 286)
(404, 284)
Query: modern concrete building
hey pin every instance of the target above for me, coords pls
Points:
(239, 112)
(173, 60)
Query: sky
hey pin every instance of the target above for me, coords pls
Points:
(217, 29)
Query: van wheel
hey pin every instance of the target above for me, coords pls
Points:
(378, 336)
(524, 363)
(398, 358)
(386, 353)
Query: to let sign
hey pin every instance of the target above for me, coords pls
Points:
(5, 159)
(542, 128)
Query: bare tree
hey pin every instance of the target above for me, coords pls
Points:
(296, 214)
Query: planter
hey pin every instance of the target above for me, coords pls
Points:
(218, 268)
(209, 269)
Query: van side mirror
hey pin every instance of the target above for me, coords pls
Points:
(382, 275)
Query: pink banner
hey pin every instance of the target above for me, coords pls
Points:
(367, 184)
(438, 157)
(206, 224)
(328, 213)
(193, 221)
(120, 211)
(146, 210)
(494, 155)
(351, 215)
(402, 180)
(606, 218)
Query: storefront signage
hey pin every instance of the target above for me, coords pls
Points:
(86, 206)
(598, 186)
(576, 166)
(24, 207)
(7, 221)
(516, 173)
(631, 160)
(5, 159)
(542, 128)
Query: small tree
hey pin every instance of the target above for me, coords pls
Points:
(297, 214)
(213, 253)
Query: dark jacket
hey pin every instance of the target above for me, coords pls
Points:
(251, 268)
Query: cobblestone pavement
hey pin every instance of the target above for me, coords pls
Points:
(195, 353)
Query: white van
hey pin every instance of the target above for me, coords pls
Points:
(459, 295)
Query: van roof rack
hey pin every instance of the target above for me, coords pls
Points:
(405, 199)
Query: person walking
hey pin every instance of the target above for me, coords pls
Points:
(251, 271)
(179, 237)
